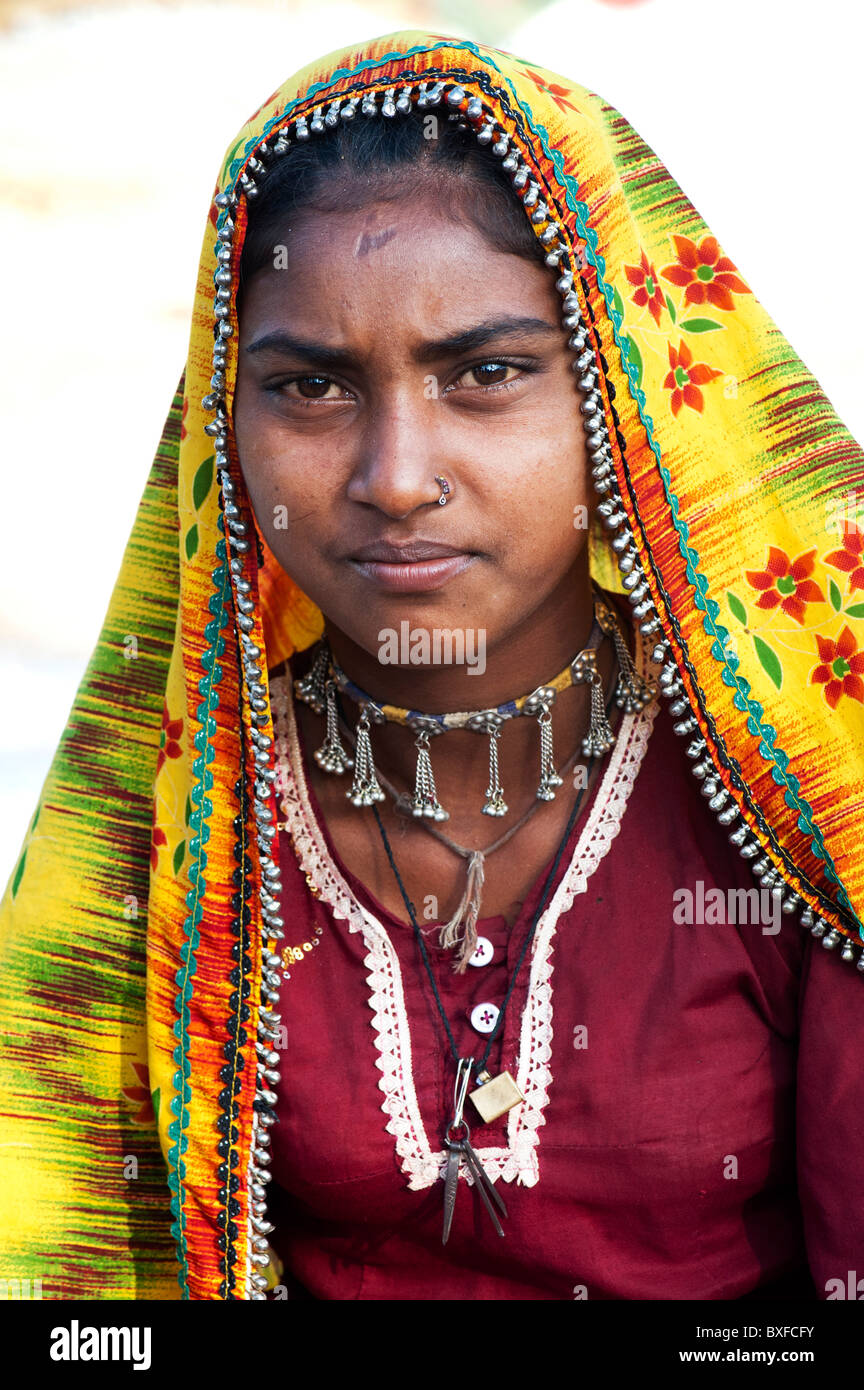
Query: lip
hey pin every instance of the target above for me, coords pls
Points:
(415, 567)
(406, 552)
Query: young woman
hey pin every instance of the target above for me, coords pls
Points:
(474, 967)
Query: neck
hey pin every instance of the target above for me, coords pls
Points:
(532, 652)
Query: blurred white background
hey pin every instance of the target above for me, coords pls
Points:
(113, 122)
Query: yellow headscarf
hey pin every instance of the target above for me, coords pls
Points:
(734, 476)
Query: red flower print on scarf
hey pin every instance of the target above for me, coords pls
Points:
(706, 274)
(183, 430)
(157, 838)
(686, 377)
(558, 93)
(648, 292)
(168, 745)
(851, 557)
(140, 1096)
(786, 583)
(840, 667)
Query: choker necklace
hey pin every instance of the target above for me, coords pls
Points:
(319, 687)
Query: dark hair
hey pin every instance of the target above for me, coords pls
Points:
(366, 160)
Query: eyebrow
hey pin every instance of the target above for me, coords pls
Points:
(455, 344)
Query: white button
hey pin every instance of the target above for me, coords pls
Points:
(483, 952)
(484, 1017)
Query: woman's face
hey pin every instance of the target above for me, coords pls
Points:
(399, 345)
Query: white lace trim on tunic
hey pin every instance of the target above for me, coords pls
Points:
(422, 1164)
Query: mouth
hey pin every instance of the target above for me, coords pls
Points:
(416, 566)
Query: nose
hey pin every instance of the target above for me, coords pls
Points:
(398, 458)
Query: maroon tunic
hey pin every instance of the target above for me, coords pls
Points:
(691, 1128)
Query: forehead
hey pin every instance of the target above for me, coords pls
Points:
(412, 266)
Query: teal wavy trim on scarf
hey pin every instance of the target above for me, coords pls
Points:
(765, 733)
(203, 807)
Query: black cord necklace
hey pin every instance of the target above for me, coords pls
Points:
(495, 1095)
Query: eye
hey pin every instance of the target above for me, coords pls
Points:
(491, 375)
(310, 387)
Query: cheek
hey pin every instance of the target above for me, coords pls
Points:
(549, 521)
(552, 479)
(283, 488)
(544, 507)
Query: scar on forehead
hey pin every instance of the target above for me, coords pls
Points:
(371, 241)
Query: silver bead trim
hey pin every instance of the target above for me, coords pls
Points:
(748, 845)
